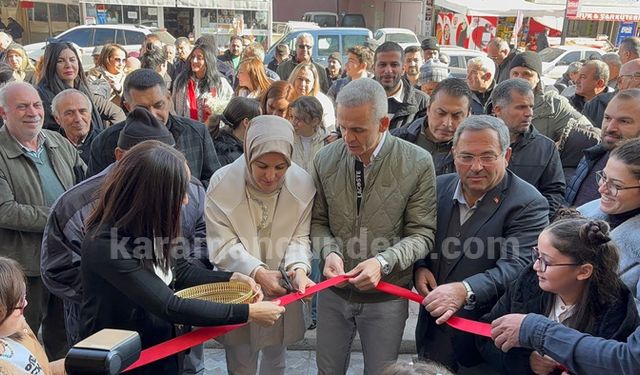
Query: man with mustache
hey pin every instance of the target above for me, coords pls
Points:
(405, 102)
(412, 62)
(450, 104)
(621, 121)
(592, 81)
(534, 157)
(488, 220)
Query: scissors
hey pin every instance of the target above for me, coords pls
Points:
(285, 282)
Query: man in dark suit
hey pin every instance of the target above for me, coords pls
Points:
(488, 220)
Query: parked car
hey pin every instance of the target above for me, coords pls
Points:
(352, 20)
(326, 41)
(323, 19)
(555, 60)
(458, 58)
(404, 37)
(87, 37)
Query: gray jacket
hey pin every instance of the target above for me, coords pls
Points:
(65, 231)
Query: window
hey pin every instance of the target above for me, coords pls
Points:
(104, 36)
(455, 62)
(131, 14)
(74, 14)
(327, 44)
(81, 37)
(149, 16)
(592, 55)
(134, 37)
(120, 37)
(349, 41)
(40, 12)
(569, 58)
(58, 12)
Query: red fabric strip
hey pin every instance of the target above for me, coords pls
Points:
(193, 102)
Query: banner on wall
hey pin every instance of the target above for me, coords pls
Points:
(455, 29)
(626, 30)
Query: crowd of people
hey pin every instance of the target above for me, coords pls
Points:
(499, 199)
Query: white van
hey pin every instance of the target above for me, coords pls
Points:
(323, 19)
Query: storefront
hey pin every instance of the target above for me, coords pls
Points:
(41, 19)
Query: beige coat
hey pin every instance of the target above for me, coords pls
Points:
(233, 243)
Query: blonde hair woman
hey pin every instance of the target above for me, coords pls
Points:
(304, 79)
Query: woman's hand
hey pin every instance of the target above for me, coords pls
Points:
(265, 313)
(270, 282)
(247, 280)
(541, 365)
(300, 280)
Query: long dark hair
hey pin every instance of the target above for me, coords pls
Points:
(50, 80)
(212, 76)
(587, 242)
(142, 197)
(238, 109)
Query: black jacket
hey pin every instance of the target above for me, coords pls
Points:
(488, 252)
(594, 109)
(414, 104)
(440, 152)
(590, 158)
(536, 160)
(192, 138)
(286, 68)
(228, 147)
(61, 254)
(503, 70)
(121, 290)
(615, 321)
(479, 101)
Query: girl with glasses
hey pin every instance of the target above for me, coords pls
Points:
(619, 205)
(20, 351)
(573, 280)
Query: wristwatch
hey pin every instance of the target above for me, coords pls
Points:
(470, 300)
(386, 268)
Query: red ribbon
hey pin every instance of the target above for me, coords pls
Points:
(197, 337)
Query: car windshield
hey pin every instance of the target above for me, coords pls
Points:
(401, 38)
(164, 36)
(550, 54)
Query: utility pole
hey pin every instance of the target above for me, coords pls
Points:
(565, 24)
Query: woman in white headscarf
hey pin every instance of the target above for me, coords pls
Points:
(258, 214)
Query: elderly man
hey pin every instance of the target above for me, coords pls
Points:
(72, 111)
(183, 49)
(304, 49)
(498, 50)
(405, 103)
(628, 78)
(481, 73)
(592, 81)
(430, 49)
(147, 89)
(432, 73)
(614, 63)
(413, 60)
(449, 105)
(488, 220)
(629, 49)
(36, 167)
(358, 177)
(534, 157)
(621, 121)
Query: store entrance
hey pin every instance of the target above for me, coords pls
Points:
(178, 21)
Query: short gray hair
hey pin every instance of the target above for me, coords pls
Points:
(601, 69)
(364, 91)
(501, 94)
(484, 63)
(574, 67)
(612, 58)
(63, 94)
(500, 43)
(4, 91)
(305, 35)
(482, 122)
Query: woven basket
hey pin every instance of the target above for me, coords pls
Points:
(225, 292)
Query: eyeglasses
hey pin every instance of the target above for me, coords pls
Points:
(305, 46)
(601, 179)
(468, 159)
(535, 253)
(23, 304)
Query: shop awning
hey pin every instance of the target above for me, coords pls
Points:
(608, 13)
(152, 3)
(500, 8)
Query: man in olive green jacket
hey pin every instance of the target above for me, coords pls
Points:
(374, 215)
(36, 166)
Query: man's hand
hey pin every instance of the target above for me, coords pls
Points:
(300, 281)
(424, 281)
(445, 300)
(505, 331)
(542, 365)
(270, 282)
(237, 276)
(366, 274)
